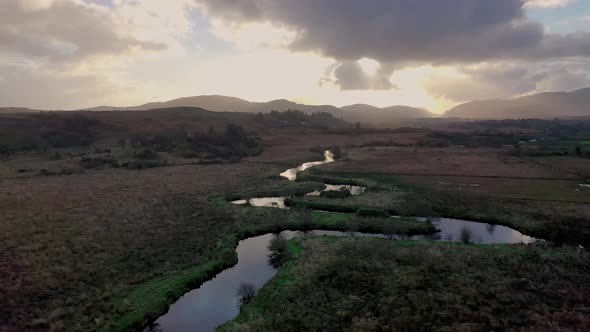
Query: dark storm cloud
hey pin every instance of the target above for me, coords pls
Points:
(402, 31)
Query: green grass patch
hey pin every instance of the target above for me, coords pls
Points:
(282, 189)
(368, 284)
(151, 299)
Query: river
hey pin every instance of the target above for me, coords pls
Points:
(215, 302)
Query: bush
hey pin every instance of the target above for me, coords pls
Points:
(246, 293)
(143, 164)
(90, 163)
(465, 235)
(147, 154)
(365, 212)
(343, 193)
(7, 150)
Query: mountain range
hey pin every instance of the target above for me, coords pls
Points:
(540, 106)
(353, 113)
(543, 105)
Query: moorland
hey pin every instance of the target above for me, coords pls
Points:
(108, 217)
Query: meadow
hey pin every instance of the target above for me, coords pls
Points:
(109, 248)
(343, 284)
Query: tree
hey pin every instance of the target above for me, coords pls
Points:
(277, 247)
(122, 143)
(389, 229)
(246, 293)
(353, 227)
(465, 235)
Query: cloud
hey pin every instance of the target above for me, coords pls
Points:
(63, 30)
(507, 80)
(24, 84)
(353, 76)
(74, 53)
(402, 31)
(548, 3)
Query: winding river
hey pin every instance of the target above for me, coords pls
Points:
(215, 301)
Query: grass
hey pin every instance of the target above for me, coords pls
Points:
(109, 249)
(280, 189)
(374, 284)
(146, 303)
(367, 180)
(151, 299)
(534, 189)
(555, 220)
(75, 248)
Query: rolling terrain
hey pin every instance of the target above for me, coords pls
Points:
(353, 113)
(537, 106)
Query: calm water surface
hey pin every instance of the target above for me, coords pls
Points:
(291, 174)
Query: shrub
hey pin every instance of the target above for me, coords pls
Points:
(89, 163)
(366, 212)
(343, 193)
(147, 154)
(143, 164)
(465, 235)
(7, 150)
(246, 293)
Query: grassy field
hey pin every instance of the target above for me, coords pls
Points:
(452, 161)
(343, 284)
(561, 222)
(71, 245)
(540, 197)
(109, 248)
(112, 248)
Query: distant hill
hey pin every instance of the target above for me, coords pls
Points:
(226, 104)
(538, 106)
(10, 110)
(359, 108)
(372, 114)
(353, 113)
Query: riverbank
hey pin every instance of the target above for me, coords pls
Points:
(368, 284)
(559, 222)
(151, 299)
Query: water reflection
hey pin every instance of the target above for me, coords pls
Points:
(274, 202)
(451, 229)
(291, 174)
(279, 202)
(154, 327)
(276, 251)
(491, 229)
(354, 190)
(214, 303)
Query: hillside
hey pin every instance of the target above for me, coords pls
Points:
(32, 131)
(12, 110)
(353, 113)
(226, 104)
(542, 105)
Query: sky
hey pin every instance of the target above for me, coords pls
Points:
(71, 54)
